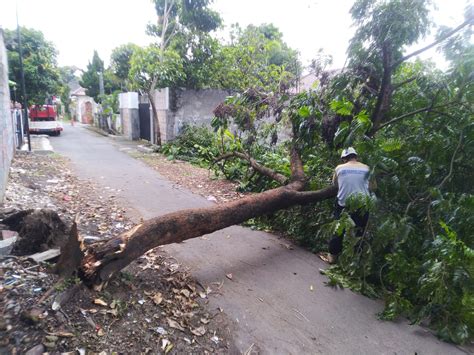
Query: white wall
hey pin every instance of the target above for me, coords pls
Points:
(7, 142)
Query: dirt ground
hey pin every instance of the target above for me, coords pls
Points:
(153, 307)
(198, 180)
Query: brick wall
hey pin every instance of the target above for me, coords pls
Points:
(7, 143)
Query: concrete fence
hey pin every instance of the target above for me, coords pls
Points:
(180, 107)
(191, 107)
(176, 108)
(128, 104)
(7, 140)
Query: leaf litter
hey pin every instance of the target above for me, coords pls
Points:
(173, 317)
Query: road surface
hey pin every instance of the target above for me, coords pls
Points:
(277, 298)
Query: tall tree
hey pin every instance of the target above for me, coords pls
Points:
(91, 77)
(120, 62)
(413, 125)
(183, 17)
(178, 20)
(153, 68)
(39, 62)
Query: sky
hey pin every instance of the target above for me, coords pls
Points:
(77, 28)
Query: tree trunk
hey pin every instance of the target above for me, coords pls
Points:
(101, 263)
(156, 125)
(385, 94)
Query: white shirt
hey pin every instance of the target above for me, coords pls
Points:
(352, 178)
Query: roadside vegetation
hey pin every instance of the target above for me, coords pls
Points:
(410, 122)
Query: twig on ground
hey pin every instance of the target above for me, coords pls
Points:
(249, 350)
(301, 314)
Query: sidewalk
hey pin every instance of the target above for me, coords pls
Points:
(274, 294)
(39, 144)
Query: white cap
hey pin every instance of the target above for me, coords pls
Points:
(348, 151)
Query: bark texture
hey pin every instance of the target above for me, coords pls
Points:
(101, 263)
(156, 122)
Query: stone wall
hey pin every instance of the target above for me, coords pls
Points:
(7, 142)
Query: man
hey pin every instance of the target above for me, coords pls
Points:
(351, 178)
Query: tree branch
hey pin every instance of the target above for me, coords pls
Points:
(306, 197)
(166, 14)
(385, 93)
(101, 263)
(296, 165)
(399, 118)
(282, 179)
(469, 21)
(173, 32)
(399, 85)
(451, 165)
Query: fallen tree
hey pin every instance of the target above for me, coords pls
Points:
(412, 124)
(96, 264)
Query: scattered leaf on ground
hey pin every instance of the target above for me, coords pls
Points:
(199, 331)
(100, 302)
(174, 324)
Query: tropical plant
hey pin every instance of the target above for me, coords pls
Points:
(42, 79)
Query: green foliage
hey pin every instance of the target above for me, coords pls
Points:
(447, 283)
(120, 62)
(42, 79)
(386, 23)
(417, 251)
(184, 27)
(185, 15)
(194, 144)
(110, 104)
(257, 58)
(90, 78)
(153, 68)
(201, 60)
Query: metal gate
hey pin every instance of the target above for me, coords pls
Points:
(145, 124)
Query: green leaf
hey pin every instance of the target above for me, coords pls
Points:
(304, 111)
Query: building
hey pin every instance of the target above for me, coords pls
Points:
(83, 107)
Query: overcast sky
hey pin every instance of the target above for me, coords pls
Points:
(77, 28)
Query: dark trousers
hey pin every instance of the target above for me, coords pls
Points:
(360, 219)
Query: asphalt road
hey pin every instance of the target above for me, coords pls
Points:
(276, 299)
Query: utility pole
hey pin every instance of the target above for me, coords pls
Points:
(23, 89)
(101, 83)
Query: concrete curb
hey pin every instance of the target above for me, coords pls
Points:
(39, 144)
(96, 130)
(143, 148)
